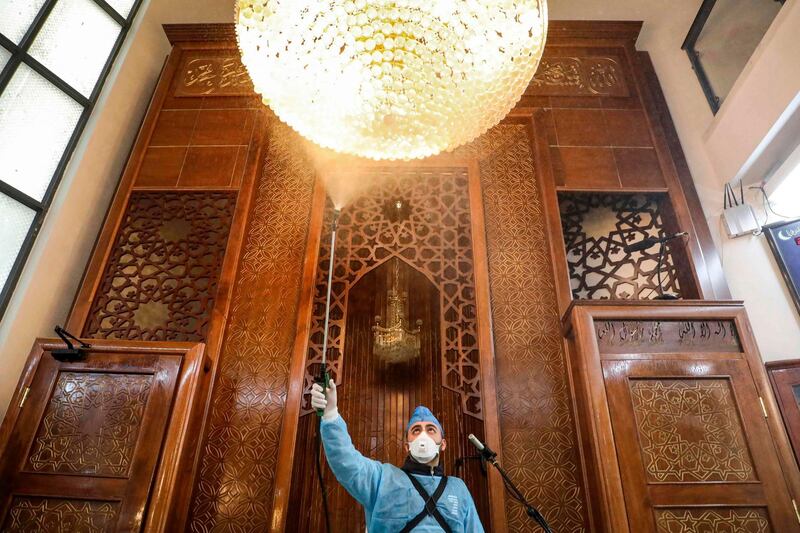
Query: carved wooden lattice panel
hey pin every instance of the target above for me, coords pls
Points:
(91, 424)
(56, 515)
(435, 238)
(538, 437)
(689, 431)
(715, 519)
(597, 227)
(236, 474)
(161, 277)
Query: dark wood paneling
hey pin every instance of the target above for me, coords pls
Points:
(784, 376)
(376, 398)
(619, 137)
(585, 167)
(534, 408)
(596, 228)
(673, 402)
(638, 168)
(590, 66)
(236, 473)
(162, 274)
(177, 125)
(87, 443)
(435, 238)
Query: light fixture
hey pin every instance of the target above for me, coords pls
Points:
(391, 79)
(396, 343)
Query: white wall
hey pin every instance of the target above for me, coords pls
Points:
(751, 272)
(55, 266)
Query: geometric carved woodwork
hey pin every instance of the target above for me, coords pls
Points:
(31, 513)
(722, 519)
(235, 478)
(596, 228)
(666, 336)
(376, 398)
(434, 238)
(96, 444)
(91, 424)
(683, 440)
(578, 76)
(537, 431)
(689, 431)
(161, 277)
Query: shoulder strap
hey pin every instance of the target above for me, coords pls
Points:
(430, 505)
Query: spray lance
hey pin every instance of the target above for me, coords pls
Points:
(324, 377)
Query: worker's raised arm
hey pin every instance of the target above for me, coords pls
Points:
(359, 475)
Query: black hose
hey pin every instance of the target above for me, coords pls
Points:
(317, 453)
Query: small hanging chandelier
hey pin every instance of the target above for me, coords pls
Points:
(391, 79)
(396, 343)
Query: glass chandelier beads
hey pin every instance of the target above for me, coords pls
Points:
(391, 79)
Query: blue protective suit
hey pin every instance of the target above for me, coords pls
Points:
(389, 499)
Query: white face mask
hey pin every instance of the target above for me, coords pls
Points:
(424, 449)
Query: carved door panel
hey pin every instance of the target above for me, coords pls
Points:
(786, 385)
(83, 451)
(694, 448)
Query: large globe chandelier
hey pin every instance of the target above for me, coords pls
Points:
(391, 79)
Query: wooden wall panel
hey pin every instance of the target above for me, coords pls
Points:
(95, 444)
(436, 238)
(538, 440)
(676, 402)
(162, 274)
(376, 398)
(187, 191)
(204, 132)
(597, 227)
(784, 376)
(235, 480)
(607, 128)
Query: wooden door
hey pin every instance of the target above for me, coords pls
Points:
(785, 378)
(81, 451)
(694, 447)
(679, 431)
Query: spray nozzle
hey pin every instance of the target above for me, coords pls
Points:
(335, 221)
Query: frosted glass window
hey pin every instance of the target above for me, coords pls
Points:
(75, 42)
(16, 16)
(36, 122)
(4, 55)
(123, 7)
(15, 221)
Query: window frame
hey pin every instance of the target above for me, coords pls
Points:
(688, 46)
(19, 55)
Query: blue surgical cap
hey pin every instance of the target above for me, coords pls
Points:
(423, 414)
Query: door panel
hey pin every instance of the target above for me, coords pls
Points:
(83, 452)
(786, 385)
(694, 448)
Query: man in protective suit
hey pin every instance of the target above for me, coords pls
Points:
(416, 497)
